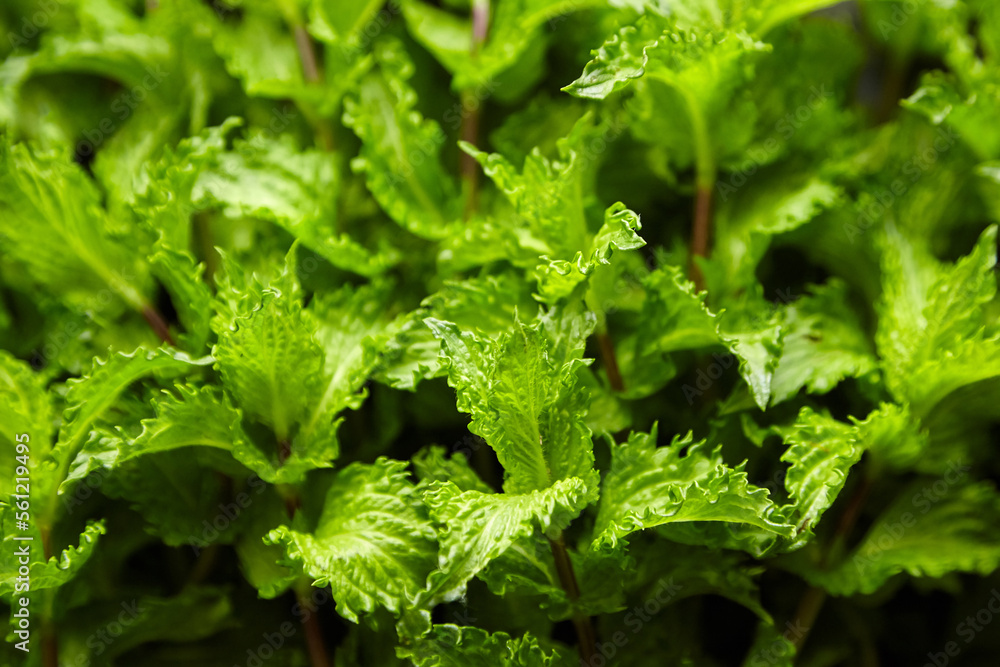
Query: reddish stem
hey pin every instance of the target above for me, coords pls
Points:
(567, 578)
(314, 634)
(814, 597)
(158, 324)
(610, 360)
(700, 232)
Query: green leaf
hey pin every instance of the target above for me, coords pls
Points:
(43, 574)
(155, 88)
(271, 362)
(549, 197)
(371, 545)
(933, 334)
(528, 569)
(431, 465)
(967, 110)
(191, 417)
(674, 317)
(780, 200)
(476, 527)
(400, 148)
(179, 493)
(825, 344)
(771, 647)
(341, 22)
(189, 294)
(164, 190)
(514, 28)
(456, 646)
(620, 60)
(895, 437)
(90, 397)
(820, 454)
(676, 571)
(757, 342)
(260, 562)
(524, 397)
(261, 51)
(695, 76)
(25, 407)
(926, 532)
(487, 303)
(192, 614)
(559, 278)
(271, 179)
(649, 487)
(57, 233)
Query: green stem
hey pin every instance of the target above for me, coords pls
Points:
(586, 638)
(705, 175)
(203, 234)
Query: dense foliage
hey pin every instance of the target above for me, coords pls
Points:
(330, 333)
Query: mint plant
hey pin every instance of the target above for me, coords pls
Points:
(483, 332)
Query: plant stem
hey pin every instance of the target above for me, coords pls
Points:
(307, 53)
(814, 597)
(50, 645)
(610, 361)
(313, 75)
(701, 225)
(567, 577)
(203, 565)
(699, 233)
(203, 234)
(318, 656)
(284, 450)
(314, 634)
(471, 110)
(468, 166)
(50, 640)
(805, 616)
(157, 324)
